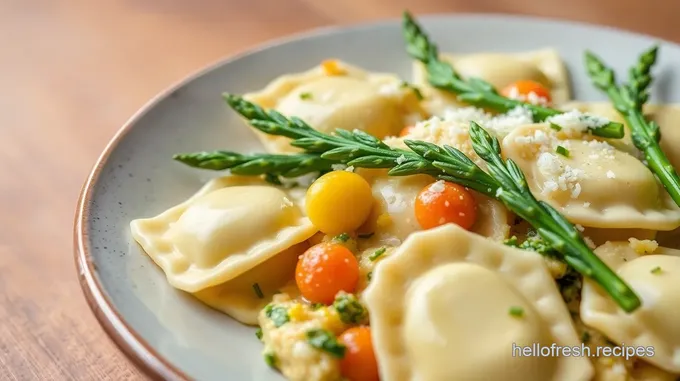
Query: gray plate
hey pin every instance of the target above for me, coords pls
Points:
(168, 333)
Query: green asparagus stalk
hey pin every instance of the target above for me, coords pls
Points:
(476, 91)
(628, 100)
(504, 180)
(257, 164)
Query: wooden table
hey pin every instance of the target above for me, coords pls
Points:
(74, 70)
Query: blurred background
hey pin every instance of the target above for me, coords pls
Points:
(73, 71)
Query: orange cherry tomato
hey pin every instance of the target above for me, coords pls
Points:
(359, 363)
(324, 270)
(407, 130)
(522, 89)
(443, 202)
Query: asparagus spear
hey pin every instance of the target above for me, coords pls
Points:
(628, 100)
(476, 91)
(504, 180)
(257, 164)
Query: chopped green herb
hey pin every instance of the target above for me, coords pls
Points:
(377, 253)
(258, 290)
(585, 337)
(369, 275)
(272, 179)
(344, 237)
(365, 236)
(562, 151)
(270, 359)
(416, 90)
(532, 243)
(349, 309)
(258, 333)
(305, 96)
(316, 306)
(516, 311)
(656, 270)
(278, 314)
(326, 341)
(555, 127)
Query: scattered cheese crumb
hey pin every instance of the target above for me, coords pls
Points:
(499, 125)
(349, 169)
(586, 204)
(499, 192)
(644, 246)
(438, 186)
(589, 242)
(611, 175)
(338, 167)
(401, 159)
(286, 203)
(579, 227)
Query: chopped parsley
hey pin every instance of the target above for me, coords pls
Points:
(376, 254)
(305, 96)
(349, 309)
(562, 151)
(258, 290)
(272, 179)
(367, 235)
(270, 359)
(555, 127)
(344, 237)
(326, 341)
(585, 337)
(532, 243)
(516, 311)
(415, 90)
(278, 314)
(656, 270)
(258, 333)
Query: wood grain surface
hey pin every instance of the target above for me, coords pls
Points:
(72, 71)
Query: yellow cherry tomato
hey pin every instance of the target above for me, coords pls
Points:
(339, 202)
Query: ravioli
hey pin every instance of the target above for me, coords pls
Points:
(581, 185)
(230, 226)
(350, 98)
(244, 296)
(500, 69)
(441, 305)
(655, 278)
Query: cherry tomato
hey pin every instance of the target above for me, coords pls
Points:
(522, 89)
(324, 270)
(443, 202)
(359, 363)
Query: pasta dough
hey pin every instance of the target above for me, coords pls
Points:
(580, 185)
(230, 226)
(500, 69)
(655, 278)
(376, 103)
(447, 294)
(238, 297)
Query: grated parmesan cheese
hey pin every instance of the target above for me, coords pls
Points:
(586, 204)
(349, 169)
(579, 227)
(338, 167)
(575, 120)
(499, 125)
(611, 175)
(562, 177)
(401, 159)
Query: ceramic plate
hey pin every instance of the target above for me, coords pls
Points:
(165, 331)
